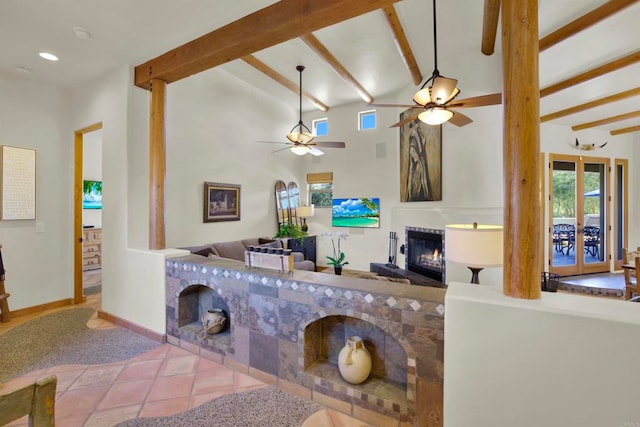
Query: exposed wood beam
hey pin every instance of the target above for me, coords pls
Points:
(521, 151)
(293, 87)
(597, 103)
(321, 50)
(585, 21)
(402, 43)
(608, 120)
(592, 74)
(157, 164)
(277, 23)
(625, 130)
(490, 26)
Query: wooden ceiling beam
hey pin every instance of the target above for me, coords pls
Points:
(272, 25)
(597, 103)
(320, 49)
(585, 21)
(293, 87)
(625, 130)
(400, 38)
(592, 74)
(606, 121)
(490, 26)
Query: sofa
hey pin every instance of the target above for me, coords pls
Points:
(235, 250)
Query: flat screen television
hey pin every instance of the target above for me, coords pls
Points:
(356, 212)
(92, 194)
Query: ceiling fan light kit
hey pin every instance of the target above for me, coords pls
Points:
(435, 116)
(300, 150)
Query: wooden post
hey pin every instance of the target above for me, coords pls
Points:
(157, 165)
(521, 100)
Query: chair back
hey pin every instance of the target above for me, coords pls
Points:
(37, 400)
(630, 275)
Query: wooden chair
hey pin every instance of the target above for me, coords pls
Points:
(36, 400)
(630, 276)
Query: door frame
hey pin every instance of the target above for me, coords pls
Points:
(580, 267)
(620, 198)
(78, 138)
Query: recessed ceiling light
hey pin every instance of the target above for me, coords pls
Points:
(82, 33)
(48, 56)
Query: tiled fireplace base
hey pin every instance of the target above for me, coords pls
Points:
(270, 315)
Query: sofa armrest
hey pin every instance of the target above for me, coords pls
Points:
(297, 256)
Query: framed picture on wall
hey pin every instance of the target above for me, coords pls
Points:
(420, 160)
(221, 202)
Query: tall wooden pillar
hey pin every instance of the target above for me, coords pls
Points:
(157, 164)
(521, 99)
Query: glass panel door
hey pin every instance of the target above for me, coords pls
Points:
(578, 215)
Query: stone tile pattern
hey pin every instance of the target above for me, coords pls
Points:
(269, 314)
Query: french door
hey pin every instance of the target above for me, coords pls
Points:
(578, 214)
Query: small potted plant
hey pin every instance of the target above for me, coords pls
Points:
(338, 258)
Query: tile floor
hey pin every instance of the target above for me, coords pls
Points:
(161, 382)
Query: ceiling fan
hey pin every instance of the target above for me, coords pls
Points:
(302, 140)
(436, 96)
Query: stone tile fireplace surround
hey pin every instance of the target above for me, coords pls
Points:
(290, 327)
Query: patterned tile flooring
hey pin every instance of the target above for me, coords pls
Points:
(161, 382)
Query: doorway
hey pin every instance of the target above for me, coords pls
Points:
(578, 215)
(82, 254)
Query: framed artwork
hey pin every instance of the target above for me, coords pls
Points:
(221, 202)
(17, 183)
(420, 160)
(91, 194)
(356, 212)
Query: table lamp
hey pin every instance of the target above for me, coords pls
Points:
(304, 212)
(476, 246)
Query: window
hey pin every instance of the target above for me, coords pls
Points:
(320, 189)
(367, 120)
(321, 127)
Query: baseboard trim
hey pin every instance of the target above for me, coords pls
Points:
(42, 307)
(153, 335)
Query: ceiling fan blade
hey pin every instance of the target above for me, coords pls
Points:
(478, 101)
(397, 105)
(404, 121)
(329, 144)
(281, 149)
(459, 119)
(274, 142)
(315, 152)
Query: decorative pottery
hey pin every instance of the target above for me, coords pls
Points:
(354, 361)
(213, 321)
(337, 270)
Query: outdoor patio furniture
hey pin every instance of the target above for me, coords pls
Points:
(592, 241)
(564, 237)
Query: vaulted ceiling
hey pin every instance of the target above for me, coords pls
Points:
(346, 61)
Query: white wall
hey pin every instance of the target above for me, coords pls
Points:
(32, 115)
(563, 360)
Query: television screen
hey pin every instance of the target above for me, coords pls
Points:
(356, 212)
(92, 195)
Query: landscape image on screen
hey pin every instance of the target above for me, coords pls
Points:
(92, 195)
(356, 212)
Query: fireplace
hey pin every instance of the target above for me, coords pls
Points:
(425, 252)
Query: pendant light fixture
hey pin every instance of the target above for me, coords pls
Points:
(300, 133)
(438, 90)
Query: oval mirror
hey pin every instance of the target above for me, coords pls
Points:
(282, 203)
(294, 202)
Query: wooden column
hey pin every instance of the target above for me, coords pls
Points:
(157, 164)
(521, 99)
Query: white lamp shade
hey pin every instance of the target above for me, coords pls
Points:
(300, 150)
(305, 211)
(435, 116)
(474, 247)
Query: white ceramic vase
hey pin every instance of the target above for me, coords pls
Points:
(213, 321)
(354, 361)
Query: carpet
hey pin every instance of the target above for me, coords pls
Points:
(62, 338)
(257, 408)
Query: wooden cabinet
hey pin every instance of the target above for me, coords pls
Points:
(91, 249)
